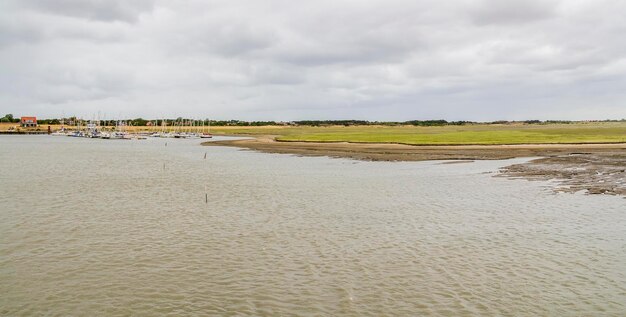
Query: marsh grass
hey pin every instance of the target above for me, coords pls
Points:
(447, 135)
(487, 134)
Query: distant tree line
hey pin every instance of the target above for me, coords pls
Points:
(9, 118)
(187, 121)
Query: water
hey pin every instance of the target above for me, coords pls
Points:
(102, 227)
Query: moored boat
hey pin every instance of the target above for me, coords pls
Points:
(76, 134)
(118, 135)
(59, 133)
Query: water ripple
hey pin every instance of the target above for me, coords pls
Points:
(89, 227)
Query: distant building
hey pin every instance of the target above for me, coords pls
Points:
(286, 123)
(28, 122)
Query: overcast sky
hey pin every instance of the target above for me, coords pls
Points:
(289, 60)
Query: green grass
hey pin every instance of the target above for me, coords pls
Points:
(469, 134)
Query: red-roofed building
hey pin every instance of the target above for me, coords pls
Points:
(28, 122)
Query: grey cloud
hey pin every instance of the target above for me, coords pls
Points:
(12, 32)
(102, 10)
(230, 39)
(513, 11)
(282, 60)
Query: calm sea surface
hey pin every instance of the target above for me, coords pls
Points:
(104, 227)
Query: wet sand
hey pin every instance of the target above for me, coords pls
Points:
(594, 168)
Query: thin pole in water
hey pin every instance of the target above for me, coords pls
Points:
(205, 155)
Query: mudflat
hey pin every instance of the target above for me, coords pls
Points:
(594, 168)
(595, 173)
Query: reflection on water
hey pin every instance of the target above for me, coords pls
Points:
(96, 227)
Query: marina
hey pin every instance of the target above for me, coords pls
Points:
(122, 130)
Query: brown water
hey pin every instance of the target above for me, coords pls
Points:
(97, 227)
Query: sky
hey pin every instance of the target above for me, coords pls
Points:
(393, 60)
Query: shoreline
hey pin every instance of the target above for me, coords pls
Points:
(24, 132)
(598, 168)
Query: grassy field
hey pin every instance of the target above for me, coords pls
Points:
(445, 135)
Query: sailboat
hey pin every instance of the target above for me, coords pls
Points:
(103, 133)
(204, 134)
(92, 130)
(165, 131)
(78, 133)
(193, 134)
(120, 134)
(62, 131)
(58, 133)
